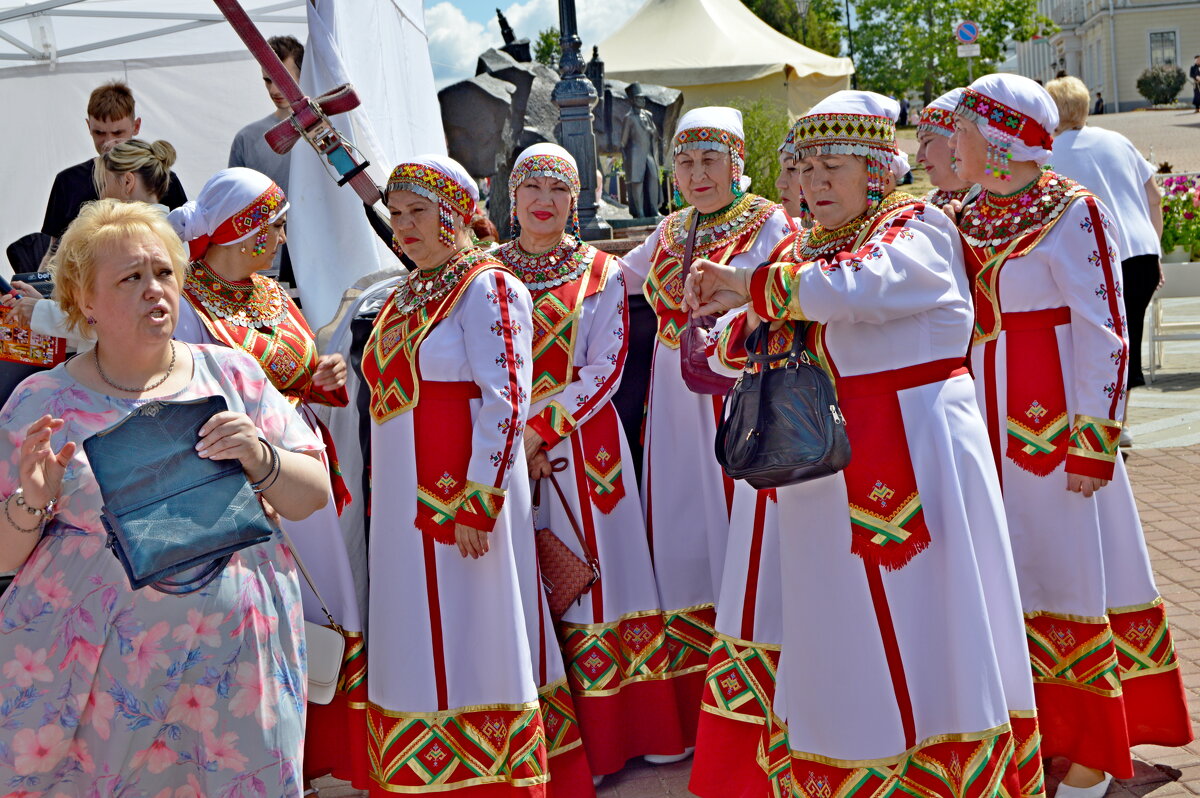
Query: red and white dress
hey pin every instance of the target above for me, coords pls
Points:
(1049, 357)
(903, 665)
(258, 317)
(685, 497)
(455, 706)
(614, 640)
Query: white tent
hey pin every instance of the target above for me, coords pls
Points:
(716, 51)
(196, 85)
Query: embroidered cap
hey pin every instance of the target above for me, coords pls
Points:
(234, 204)
(859, 123)
(718, 128)
(1015, 115)
(938, 116)
(440, 179)
(545, 160)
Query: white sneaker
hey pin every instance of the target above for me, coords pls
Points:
(1095, 791)
(667, 759)
(1126, 439)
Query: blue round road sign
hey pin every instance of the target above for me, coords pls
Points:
(967, 32)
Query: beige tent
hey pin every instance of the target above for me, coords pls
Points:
(715, 51)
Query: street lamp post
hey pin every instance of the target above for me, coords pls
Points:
(575, 96)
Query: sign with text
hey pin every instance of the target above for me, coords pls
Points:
(968, 51)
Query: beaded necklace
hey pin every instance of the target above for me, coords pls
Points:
(423, 286)
(996, 219)
(819, 241)
(742, 216)
(939, 197)
(562, 264)
(257, 302)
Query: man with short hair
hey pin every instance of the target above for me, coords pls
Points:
(1099, 106)
(249, 148)
(1194, 74)
(111, 119)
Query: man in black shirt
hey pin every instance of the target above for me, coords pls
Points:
(1194, 74)
(111, 119)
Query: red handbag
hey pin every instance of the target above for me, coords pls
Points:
(693, 341)
(565, 575)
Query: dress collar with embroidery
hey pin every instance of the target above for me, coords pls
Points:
(562, 264)
(419, 287)
(939, 197)
(257, 302)
(994, 220)
(743, 216)
(818, 241)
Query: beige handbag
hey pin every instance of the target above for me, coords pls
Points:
(325, 644)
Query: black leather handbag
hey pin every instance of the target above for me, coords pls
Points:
(167, 509)
(781, 426)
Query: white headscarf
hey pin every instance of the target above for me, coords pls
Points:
(869, 104)
(938, 116)
(714, 127)
(1034, 108)
(440, 179)
(234, 204)
(545, 160)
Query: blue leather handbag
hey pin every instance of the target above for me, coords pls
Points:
(167, 510)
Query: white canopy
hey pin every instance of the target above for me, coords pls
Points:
(196, 85)
(715, 51)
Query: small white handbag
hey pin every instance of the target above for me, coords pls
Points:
(325, 645)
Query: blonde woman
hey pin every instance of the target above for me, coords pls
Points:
(109, 689)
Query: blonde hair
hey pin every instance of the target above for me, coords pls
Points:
(151, 162)
(99, 227)
(1071, 97)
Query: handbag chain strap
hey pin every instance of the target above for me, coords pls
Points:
(287, 539)
(559, 465)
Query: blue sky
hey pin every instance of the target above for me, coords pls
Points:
(459, 30)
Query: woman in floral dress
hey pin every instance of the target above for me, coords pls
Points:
(109, 690)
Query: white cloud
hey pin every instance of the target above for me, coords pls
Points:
(455, 41)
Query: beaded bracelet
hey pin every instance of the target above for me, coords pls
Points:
(43, 513)
(272, 474)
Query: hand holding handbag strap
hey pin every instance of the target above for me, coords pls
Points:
(559, 466)
(287, 539)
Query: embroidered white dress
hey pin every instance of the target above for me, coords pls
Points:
(903, 655)
(1104, 665)
(614, 639)
(454, 705)
(685, 497)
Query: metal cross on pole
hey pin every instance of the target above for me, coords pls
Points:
(309, 118)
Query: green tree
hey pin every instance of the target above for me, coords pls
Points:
(908, 46)
(820, 27)
(548, 47)
(765, 124)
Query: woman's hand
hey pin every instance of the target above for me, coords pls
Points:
(41, 469)
(471, 541)
(21, 308)
(539, 466)
(534, 443)
(1077, 483)
(715, 288)
(233, 436)
(331, 372)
